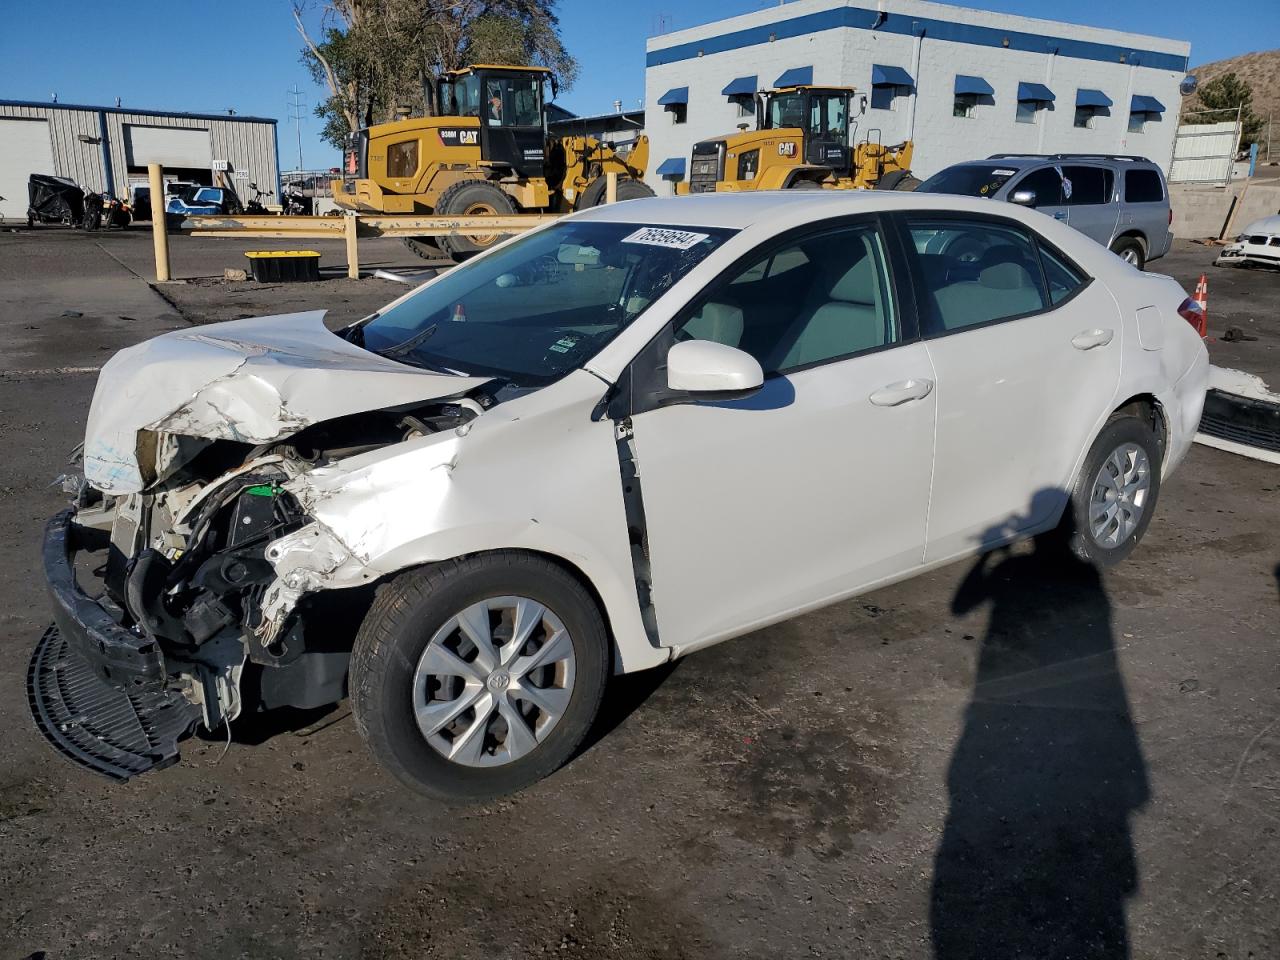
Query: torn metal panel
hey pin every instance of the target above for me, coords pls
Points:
(533, 473)
(252, 381)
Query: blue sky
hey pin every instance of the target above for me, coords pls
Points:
(250, 61)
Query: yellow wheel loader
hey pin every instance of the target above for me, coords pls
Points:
(801, 141)
(486, 154)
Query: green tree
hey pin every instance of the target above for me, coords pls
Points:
(1225, 94)
(377, 58)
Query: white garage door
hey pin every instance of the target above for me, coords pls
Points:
(24, 149)
(171, 146)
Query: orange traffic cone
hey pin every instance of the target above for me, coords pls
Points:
(1202, 298)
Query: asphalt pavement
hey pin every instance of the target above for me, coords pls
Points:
(1003, 758)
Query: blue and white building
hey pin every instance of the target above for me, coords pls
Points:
(960, 83)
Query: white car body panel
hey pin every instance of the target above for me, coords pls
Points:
(753, 514)
(748, 503)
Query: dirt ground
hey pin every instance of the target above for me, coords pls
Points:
(1004, 758)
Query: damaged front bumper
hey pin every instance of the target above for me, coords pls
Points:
(98, 692)
(1263, 250)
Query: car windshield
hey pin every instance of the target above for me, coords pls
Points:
(540, 307)
(969, 180)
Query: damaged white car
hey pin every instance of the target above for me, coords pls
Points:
(1258, 244)
(614, 440)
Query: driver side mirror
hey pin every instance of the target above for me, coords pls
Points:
(1024, 198)
(707, 368)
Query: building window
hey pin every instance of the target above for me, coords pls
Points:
(966, 105)
(1028, 111)
(746, 106)
(679, 113)
(1139, 119)
(402, 159)
(1084, 117)
(885, 96)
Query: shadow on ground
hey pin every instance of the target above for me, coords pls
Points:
(1037, 856)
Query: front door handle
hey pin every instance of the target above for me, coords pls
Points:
(1088, 339)
(904, 391)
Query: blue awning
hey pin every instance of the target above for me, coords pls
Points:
(795, 77)
(965, 84)
(676, 96)
(1146, 105)
(882, 76)
(1092, 98)
(671, 167)
(742, 87)
(1035, 91)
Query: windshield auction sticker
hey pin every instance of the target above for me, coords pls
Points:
(672, 239)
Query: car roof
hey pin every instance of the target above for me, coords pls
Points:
(1023, 161)
(738, 211)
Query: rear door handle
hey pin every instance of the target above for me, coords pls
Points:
(1088, 339)
(904, 391)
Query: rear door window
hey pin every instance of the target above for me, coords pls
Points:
(975, 273)
(1063, 279)
(1143, 186)
(1089, 185)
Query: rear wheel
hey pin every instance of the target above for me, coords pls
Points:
(804, 185)
(1130, 250)
(1115, 494)
(478, 677)
(628, 189)
(473, 198)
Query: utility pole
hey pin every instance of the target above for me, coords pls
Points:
(297, 104)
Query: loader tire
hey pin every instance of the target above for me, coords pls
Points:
(425, 247)
(472, 198)
(628, 189)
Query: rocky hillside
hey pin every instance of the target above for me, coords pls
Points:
(1260, 70)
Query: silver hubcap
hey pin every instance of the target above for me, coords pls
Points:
(493, 681)
(1120, 492)
(1129, 256)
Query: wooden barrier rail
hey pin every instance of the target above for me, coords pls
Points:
(350, 227)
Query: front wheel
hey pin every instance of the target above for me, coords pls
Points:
(628, 189)
(472, 198)
(478, 677)
(1115, 494)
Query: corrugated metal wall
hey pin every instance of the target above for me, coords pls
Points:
(248, 145)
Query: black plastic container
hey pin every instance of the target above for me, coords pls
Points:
(284, 266)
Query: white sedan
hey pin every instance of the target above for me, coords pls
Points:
(615, 440)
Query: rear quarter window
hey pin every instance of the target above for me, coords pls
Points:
(1143, 186)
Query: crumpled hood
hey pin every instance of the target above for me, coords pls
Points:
(253, 381)
(1265, 225)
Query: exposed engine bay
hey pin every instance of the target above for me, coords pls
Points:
(186, 570)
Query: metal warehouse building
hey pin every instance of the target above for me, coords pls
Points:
(108, 148)
(960, 83)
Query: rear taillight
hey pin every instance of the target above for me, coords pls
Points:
(1193, 313)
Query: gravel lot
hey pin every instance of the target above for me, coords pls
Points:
(1001, 759)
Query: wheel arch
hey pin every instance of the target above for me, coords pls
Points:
(629, 645)
(1135, 235)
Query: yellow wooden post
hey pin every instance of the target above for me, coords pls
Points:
(611, 187)
(155, 174)
(353, 252)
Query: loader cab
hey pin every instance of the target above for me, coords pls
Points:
(820, 113)
(510, 104)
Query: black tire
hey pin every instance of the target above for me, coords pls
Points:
(425, 247)
(908, 183)
(891, 179)
(803, 185)
(472, 198)
(1131, 249)
(628, 189)
(1120, 430)
(403, 619)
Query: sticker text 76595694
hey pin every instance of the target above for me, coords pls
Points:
(663, 237)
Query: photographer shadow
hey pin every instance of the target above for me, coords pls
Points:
(1037, 858)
